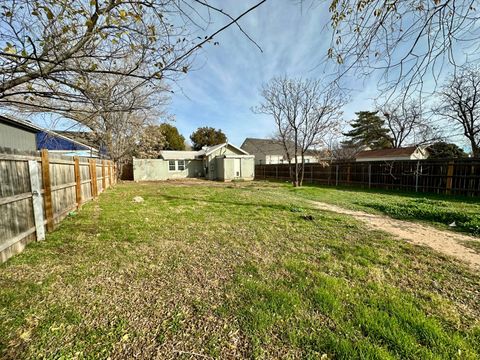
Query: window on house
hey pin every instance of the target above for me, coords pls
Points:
(307, 160)
(181, 165)
(171, 165)
(260, 162)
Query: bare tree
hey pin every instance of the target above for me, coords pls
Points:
(460, 103)
(404, 40)
(117, 110)
(407, 124)
(48, 47)
(304, 113)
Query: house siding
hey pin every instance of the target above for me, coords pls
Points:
(222, 164)
(15, 138)
(157, 169)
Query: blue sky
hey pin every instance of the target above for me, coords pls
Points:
(225, 81)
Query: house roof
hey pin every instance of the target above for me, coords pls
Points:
(192, 155)
(388, 153)
(22, 124)
(180, 155)
(270, 146)
(211, 149)
(85, 137)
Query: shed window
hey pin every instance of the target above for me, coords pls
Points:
(181, 165)
(171, 165)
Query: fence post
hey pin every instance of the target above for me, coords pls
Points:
(369, 176)
(417, 173)
(78, 181)
(336, 176)
(276, 172)
(94, 162)
(109, 173)
(348, 174)
(449, 177)
(47, 187)
(104, 181)
(93, 177)
(36, 199)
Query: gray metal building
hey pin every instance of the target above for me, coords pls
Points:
(17, 135)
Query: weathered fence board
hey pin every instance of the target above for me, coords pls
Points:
(455, 177)
(38, 189)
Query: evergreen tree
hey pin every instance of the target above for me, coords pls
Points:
(207, 136)
(368, 129)
(173, 139)
(444, 150)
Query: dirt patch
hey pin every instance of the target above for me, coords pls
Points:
(446, 242)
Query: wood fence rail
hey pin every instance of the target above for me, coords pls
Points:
(38, 190)
(451, 177)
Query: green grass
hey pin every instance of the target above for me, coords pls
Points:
(435, 209)
(232, 271)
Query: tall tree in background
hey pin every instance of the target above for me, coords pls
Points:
(207, 136)
(368, 129)
(460, 104)
(305, 113)
(407, 125)
(173, 139)
(444, 150)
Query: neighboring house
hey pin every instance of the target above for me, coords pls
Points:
(25, 136)
(223, 162)
(18, 135)
(406, 153)
(269, 151)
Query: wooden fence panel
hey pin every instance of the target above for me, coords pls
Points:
(30, 179)
(455, 177)
(16, 213)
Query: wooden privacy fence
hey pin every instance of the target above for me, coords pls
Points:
(456, 177)
(37, 190)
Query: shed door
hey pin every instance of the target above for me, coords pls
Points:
(237, 171)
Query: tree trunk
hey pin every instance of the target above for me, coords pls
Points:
(295, 180)
(302, 174)
(475, 149)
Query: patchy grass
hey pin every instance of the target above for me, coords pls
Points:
(231, 271)
(473, 244)
(435, 209)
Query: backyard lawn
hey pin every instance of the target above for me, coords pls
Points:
(246, 270)
(438, 210)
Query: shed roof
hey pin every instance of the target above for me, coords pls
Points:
(406, 151)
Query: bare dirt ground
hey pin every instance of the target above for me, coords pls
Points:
(446, 242)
